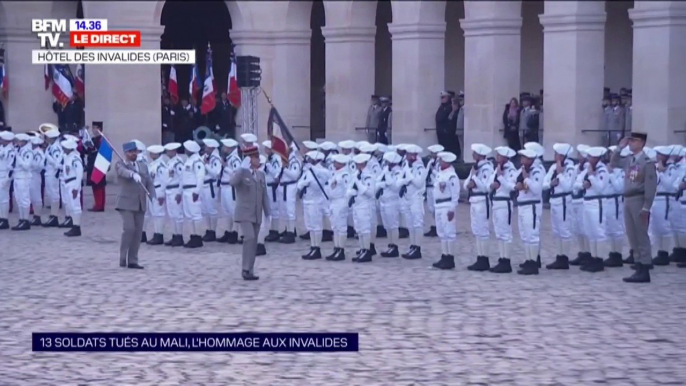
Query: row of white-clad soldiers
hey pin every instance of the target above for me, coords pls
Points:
(23, 159)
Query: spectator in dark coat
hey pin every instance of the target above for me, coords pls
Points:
(226, 116)
(73, 112)
(91, 155)
(61, 117)
(167, 121)
(511, 125)
(2, 116)
(444, 125)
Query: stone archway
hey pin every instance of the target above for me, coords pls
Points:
(619, 40)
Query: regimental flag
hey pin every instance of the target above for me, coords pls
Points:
(62, 83)
(279, 134)
(4, 82)
(80, 81)
(48, 76)
(209, 100)
(194, 85)
(173, 87)
(232, 91)
(102, 162)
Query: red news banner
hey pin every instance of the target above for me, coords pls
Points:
(105, 39)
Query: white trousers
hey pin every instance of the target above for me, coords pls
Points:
(659, 225)
(614, 218)
(72, 205)
(192, 210)
(35, 189)
(314, 212)
(5, 184)
(209, 203)
(501, 211)
(390, 214)
(561, 218)
(52, 188)
(478, 212)
(446, 229)
(362, 216)
(416, 206)
(679, 221)
(593, 220)
(339, 216)
(22, 195)
(228, 199)
(175, 211)
(529, 222)
(287, 202)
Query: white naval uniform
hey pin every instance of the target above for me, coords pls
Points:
(405, 215)
(446, 193)
(72, 176)
(679, 221)
(561, 202)
(614, 213)
(36, 180)
(314, 201)
(288, 190)
(502, 206)
(578, 193)
(158, 173)
(173, 189)
(7, 162)
(375, 168)
(530, 210)
(53, 157)
(389, 200)
(362, 188)
(192, 180)
(479, 209)
(228, 192)
(209, 197)
(415, 180)
(433, 167)
(272, 171)
(336, 189)
(266, 221)
(664, 207)
(22, 180)
(593, 206)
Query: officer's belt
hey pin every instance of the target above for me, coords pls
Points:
(600, 204)
(482, 194)
(429, 186)
(533, 204)
(634, 194)
(211, 183)
(68, 180)
(509, 206)
(172, 186)
(666, 196)
(189, 186)
(442, 200)
(556, 195)
(578, 196)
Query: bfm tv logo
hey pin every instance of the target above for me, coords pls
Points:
(83, 33)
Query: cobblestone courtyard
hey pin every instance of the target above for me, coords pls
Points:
(417, 326)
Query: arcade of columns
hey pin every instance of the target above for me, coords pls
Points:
(127, 97)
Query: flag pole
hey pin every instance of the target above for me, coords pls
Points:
(114, 149)
(269, 100)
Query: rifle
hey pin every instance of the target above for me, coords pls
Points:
(552, 190)
(379, 193)
(351, 201)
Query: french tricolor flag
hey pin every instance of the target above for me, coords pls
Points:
(102, 162)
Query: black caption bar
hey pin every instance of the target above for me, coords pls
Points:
(178, 342)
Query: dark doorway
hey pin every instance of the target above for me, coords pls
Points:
(383, 66)
(317, 73)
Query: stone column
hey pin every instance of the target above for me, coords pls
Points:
(349, 80)
(492, 71)
(659, 79)
(292, 81)
(418, 78)
(127, 98)
(573, 71)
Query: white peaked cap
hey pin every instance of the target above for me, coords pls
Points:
(528, 153)
(172, 146)
(563, 149)
(140, 146)
(664, 150)
(359, 145)
(582, 149)
(52, 133)
(37, 140)
(209, 142)
(505, 151)
(481, 149)
(68, 144)
(155, 149)
(612, 148)
(6, 135)
(391, 148)
(22, 137)
(319, 156)
(625, 152)
(361, 158)
(435, 149)
(597, 151)
(652, 154)
(346, 144)
(228, 142)
(535, 147)
(267, 144)
(414, 149)
(341, 158)
(248, 137)
(402, 146)
(312, 154)
(328, 145)
(191, 146)
(311, 145)
(367, 148)
(392, 157)
(381, 147)
(447, 156)
(263, 159)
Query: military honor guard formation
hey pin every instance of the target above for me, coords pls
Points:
(599, 198)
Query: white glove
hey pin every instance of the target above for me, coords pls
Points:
(136, 177)
(246, 163)
(350, 193)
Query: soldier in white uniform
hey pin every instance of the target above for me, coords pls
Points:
(36, 180)
(679, 222)
(7, 156)
(287, 183)
(529, 210)
(433, 166)
(329, 149)
(227, 192)
(310, 146)
(374, 168)
(142, 157)
(614, 215)
(538, 164)
(64, 195)
(315, 200)
(53, 164)
(559, 181)
(361, 199)
(158, 173)
(22, 180)
(346, 148)
(387, 193)
(446, 193)
(403, 231)
(192, 181)
(479, 209)
(596, 184)
(208, 195)
(174, 193)
(272, 170)
(412, 187)
(72, 176)
(578, 192)
(336, 189)
(502, 186)
(664, 206)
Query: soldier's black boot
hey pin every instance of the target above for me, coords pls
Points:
(449, 262)
(272, 236)
(224, 238)
(144, 238)
(287, 238)
(381, 232)
(4, 223)
(157, 239)
(23, 225)
(338, 255)
(36, 221)
(350, 232)
(332, 255)
(209, 236)
(661, 259)
(679, 255)
(52, 222)
(198, 241)
(439, 264)
(530, 267)
(372, 249)
(73, 232)
(392, 251)
(403, 233)
(595, 265)
(68, 222)
(260, 250)
(405, 255)
(414, 253)
(561, 262)
(327, 235)
(482, 264)
(177, 241)
(642, 275)
(308, 254)
(317, 254)
(681, 265)
(233, 238)
(614, 260)
(538, 261)
(630, 258)
(365, 257)
(305, 236)
(503, 266)
(431, 232)
(580, 258)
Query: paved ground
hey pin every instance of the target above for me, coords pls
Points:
(417, 326)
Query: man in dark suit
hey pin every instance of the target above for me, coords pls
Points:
(92, 155)
(132, 203)
(251, 203)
